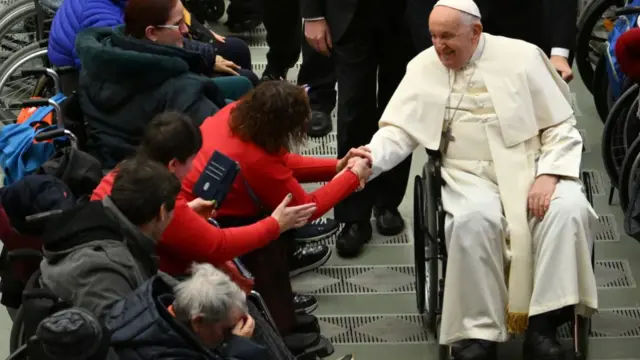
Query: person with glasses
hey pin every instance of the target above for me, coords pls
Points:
(133, 72)
(221, 53)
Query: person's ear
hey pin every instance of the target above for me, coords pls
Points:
(173, 165)
(477, 30)
(151, 33)
(197, 323)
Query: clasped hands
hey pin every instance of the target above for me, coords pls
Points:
(358, 161)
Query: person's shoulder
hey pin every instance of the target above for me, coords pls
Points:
(514, 48)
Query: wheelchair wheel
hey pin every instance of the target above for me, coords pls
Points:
(15, 88)
(432, 254)
(16, 337)
(602, 96)
(613, 150)
(582, 328)
(631, 125)
(18, 26)
(593, 32)
(419, 246)
(629, 173)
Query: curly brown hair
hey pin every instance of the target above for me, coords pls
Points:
(273, 116)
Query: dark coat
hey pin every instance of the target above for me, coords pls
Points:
(125, 82)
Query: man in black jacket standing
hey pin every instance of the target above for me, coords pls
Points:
(549, 24)
(370, 42)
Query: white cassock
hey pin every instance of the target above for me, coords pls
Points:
(510, 120)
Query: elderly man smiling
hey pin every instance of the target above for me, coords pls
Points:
(518, 226)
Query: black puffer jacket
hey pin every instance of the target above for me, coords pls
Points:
(125, 82)
(143, 329)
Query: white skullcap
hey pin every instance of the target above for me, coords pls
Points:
(466, 6)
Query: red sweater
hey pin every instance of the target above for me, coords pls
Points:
(190, 238)
(271, 177)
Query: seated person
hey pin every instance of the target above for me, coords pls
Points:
(132, 72)
(172, 140)
(74, 16)
(98, 252)
(204, 317)
(258, 132)
(505, 128)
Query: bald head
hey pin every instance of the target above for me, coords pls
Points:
(455, 33)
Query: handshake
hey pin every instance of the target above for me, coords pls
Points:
(359, 162)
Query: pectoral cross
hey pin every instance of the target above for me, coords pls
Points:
(447, 136)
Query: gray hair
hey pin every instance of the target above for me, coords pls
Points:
(210, 293)
(468, 19)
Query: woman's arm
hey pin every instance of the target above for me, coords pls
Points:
(311, 169)
(273, 180)
(191, 237)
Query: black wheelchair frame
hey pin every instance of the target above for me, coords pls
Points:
(430, 251)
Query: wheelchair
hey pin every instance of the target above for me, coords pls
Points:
(430, 254)
(594, 24)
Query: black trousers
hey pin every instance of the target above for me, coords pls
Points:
(283, 22)
(374, 51)
(269, 266)
(319, 73)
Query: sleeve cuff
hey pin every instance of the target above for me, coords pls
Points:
(560, 52)
(314, 19)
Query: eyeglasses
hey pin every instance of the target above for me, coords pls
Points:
(172, 27)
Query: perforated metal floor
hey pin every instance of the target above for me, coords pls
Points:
(367, 305)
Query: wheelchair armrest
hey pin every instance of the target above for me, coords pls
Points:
(629, 10)
(259, 302)
(23, 253)
(585, 176)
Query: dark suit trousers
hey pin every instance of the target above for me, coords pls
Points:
(319, 72)
(283, 22)
(374, 51)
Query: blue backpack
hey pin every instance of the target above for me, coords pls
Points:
(20, 155)
(616, 76)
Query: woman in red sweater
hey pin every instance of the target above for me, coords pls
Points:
(258, 132)
(172, 139)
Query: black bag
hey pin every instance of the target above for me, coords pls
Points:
(80, 171)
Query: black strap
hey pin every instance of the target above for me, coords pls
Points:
(253, 195)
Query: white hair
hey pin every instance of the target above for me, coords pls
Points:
(468, 19)
(210, 293)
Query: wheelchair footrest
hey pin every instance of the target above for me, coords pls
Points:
(322, 349)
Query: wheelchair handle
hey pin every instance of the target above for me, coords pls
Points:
(42, 102)
(56, 133)
(629, 10)
(44, 72)
(23, 253)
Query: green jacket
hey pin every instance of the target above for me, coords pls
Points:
(125, 82)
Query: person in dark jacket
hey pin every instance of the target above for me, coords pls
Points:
(131, 73)
(74, 16)
(125, 82)
(97, 253)
(207, 318)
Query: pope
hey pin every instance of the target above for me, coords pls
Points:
(518, 226)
